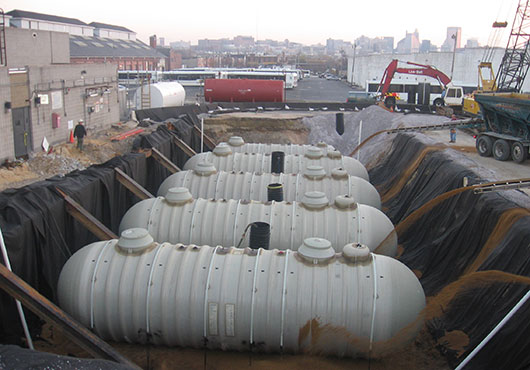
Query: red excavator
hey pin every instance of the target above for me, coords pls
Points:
(451, 95)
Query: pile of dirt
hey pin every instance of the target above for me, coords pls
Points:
(257, 129)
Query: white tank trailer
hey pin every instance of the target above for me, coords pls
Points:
(208, 183)
(178, 218)
(162, 94)
(310, 301)
(238, 145)
(224, 159)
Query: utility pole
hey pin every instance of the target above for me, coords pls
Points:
(353, 63)
(454, 37)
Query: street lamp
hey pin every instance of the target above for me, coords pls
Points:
(453, 36)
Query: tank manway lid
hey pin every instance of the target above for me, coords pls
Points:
(222, 150)
(356, 252)
(322, 144)
(236, 141)
(178, 195)
(315, 199)
(204, 168)
(316, 250)
(313, 152)
(334, 154)
(345, 201)
(135, 240)
(315, 172)
(339, 173)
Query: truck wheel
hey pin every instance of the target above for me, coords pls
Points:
(438, 102)
(519, 152)
(501, 150)
(484, 146)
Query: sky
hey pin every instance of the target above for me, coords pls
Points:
(306, 22)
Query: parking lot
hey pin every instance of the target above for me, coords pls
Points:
(311, 89)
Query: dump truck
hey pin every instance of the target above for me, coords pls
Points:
(507, 120)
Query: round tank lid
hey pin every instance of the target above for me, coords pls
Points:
(222, 149)
(314, 172)
(313, 152)
(356, 252)
(316, 250)
(339, 173)
(322, 144)
(135, 240)
(204, 168)
(334, 154)
(178, 195)
(315, 199)
(345, 201)
(236, 141)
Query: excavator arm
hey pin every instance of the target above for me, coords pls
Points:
(425, 70)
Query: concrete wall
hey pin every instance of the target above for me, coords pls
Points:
(370, 67)
(68, 96)
(7, 146)
(26, 47)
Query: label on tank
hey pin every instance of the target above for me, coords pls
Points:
(212, 319)
(230, 310)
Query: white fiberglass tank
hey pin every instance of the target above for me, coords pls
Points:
(178, 218)
(206, 182)
(238, 145)
(163, 94)
(224, 159)
(310, 301)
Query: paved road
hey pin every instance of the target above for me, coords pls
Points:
(312, 89)
(316, 89)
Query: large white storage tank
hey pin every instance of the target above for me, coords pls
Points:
(224, 160)
(312, 301)
(163, 94)
(238, 145)
(206, 182)
(178, 218)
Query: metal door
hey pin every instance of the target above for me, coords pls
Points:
(21, 131)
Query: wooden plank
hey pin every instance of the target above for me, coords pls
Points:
(207, 140)
(86, 219)
(33, 300)
(183, 146)
(132, 185)
(164, 161)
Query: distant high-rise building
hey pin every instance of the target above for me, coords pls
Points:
(162, 41)
(472, 43)
(453, 35)
(425, 46)
(410, 44)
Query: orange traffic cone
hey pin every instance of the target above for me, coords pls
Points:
(71, 137)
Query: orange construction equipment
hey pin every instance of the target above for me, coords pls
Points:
(71, 136)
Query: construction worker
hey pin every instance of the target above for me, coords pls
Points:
(80, 133)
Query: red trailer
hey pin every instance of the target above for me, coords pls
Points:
(243, 90)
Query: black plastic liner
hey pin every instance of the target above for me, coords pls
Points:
(469, 241)
(40, 235)
(14, 357)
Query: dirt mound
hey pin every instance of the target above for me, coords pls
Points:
(257, 130)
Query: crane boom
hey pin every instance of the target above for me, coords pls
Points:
(516, 59)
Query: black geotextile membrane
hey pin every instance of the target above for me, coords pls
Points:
(14, 357)
(464, 249)
(40, 235)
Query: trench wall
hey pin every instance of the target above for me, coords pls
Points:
(470, 251)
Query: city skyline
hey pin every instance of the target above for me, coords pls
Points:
(295, 21)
